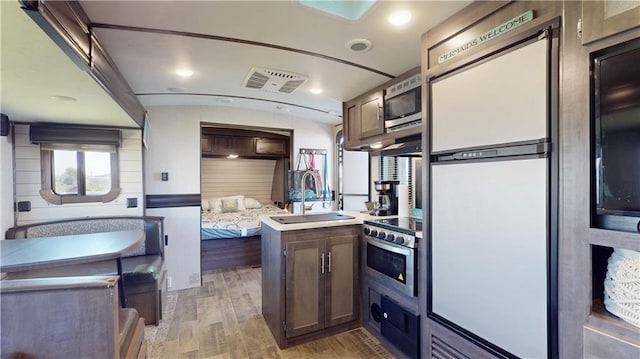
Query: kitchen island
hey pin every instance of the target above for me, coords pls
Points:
(310, 278)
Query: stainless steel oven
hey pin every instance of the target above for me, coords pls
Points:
(390, 254)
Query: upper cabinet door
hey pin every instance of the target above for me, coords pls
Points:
(371, 116)
(501, 100)
(605, 18)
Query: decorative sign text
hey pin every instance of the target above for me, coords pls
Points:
(491, 34)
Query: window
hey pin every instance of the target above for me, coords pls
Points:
(79, 173)
(79, 166)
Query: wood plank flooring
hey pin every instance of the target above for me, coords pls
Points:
(222, 319)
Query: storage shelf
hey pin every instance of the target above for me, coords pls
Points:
(604, 321)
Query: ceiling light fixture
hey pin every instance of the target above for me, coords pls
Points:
(316, 91)
(64, 98)
(376, 145)
(232, 156)
(399, 18)
(176, 89)
(184, 73)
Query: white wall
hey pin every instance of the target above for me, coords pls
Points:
(174, 147)
(28, 182)
(6, 184)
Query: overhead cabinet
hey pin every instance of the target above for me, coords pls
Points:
(225, 142)
(310, 282)
(363, 118)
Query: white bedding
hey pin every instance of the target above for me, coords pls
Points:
(235, 224)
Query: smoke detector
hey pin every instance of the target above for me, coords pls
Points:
(359, 45)
(277, 81)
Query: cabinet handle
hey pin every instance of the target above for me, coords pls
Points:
(329, 262)
(322, 263)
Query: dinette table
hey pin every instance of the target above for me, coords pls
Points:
(46, 252)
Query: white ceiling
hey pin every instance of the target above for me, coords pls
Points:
(147, 59)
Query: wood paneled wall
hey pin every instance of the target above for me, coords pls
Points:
(28, 182)
(228, 177)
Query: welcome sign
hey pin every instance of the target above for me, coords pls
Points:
(491, 34)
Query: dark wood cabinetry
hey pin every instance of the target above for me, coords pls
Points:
(363, 118)
(271, 146)
(585, 328)
(371, 115)
(310, 282)
(222, 142)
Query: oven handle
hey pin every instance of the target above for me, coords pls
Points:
(391, 247)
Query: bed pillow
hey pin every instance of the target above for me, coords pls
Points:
(205, 205)
(252, 203)
(216, 203)
(228, 205)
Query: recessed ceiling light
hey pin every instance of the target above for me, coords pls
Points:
(316, 91)
(64, 98)
(232, 156)
(376, 145)
(184, 73)
(399, 18)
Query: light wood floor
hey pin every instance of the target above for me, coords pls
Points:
(222, 319)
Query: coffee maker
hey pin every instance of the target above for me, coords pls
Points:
(387, 201)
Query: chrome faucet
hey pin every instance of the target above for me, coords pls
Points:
(302, 182)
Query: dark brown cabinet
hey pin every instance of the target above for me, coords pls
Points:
(312, 289)
(269, 146)
(222, 142)
(371, 115)
(351, 124)
(363, 118)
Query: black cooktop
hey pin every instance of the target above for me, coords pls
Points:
(401, 223)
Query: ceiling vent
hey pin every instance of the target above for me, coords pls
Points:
(274, 80)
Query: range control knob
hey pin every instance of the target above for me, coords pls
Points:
(391, 237)
(367, 230)
(373, 233)
(399, 240)
(382, 235)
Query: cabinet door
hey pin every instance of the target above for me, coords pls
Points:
(351, 125)
(205, 144)
(371, 116)
(269, 146)
(606, 18)
(304, 287)
(341, 300)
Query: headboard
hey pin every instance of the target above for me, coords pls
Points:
(221, 177)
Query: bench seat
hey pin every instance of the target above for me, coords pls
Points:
(143, 270)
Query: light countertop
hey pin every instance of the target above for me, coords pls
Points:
(359, 218)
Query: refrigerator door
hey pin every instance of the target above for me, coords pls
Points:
(489, 251)
(503, 100)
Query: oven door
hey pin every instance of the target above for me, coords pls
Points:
(393, 264)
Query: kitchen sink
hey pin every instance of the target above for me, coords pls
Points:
(331, 216)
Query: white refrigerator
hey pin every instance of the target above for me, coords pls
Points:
(490, 200)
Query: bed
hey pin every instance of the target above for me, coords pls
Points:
(230, 231)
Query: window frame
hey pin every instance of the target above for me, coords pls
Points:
(49, 195)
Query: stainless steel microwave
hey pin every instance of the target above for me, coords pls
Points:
(403, 104)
